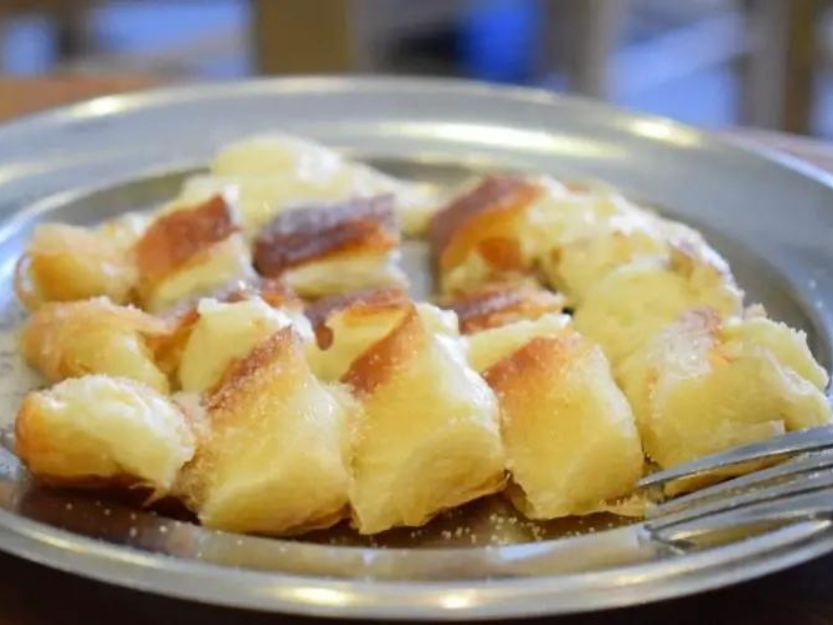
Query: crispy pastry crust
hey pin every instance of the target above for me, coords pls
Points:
(169, 347)
(71, 339)
(306, 234)
(366, 302)
(478, 220)
(240, 376)
(65, 263)
(497, 304)
(268, 403)
(376, 366)
(173, 240)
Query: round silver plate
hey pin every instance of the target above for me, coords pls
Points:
(772, 218)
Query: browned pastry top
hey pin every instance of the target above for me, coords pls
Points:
(298, 236)
(470, 220)
(174, 239)
(497, 304)
(364, 301)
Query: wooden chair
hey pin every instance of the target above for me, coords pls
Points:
(777, 53)
(70, 17)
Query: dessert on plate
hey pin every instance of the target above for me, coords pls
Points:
(251, 349)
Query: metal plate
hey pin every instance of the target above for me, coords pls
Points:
(771, 217)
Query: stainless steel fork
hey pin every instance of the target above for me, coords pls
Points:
(798, 487)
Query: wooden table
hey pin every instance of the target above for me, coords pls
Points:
(34, 595)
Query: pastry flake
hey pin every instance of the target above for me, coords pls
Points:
(704, 384)
(570, 437)
(427, 436)
(274, 461)
(73, 339)
(66, 263)
(99, 430)
(499, 303)
(332, 248)
(190, 252)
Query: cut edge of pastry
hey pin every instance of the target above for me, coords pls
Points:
(101, 430)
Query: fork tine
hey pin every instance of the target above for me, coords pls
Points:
(794, 442)
(812, 461)
(780, 491)
(815, 505)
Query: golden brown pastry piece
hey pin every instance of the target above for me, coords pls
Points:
(571, 442)
(332, 248)
(703, 385)
(577, 265)
(72, 339)
(475, 238)
(64, 263)
(633, 303)
(190, 252)
(99, 430)
(427, 436)
(182, 319)
(346, 326)
(499, 303)
(273, 460)
(222, 333)
(276, 171)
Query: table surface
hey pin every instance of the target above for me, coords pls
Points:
(31, 594)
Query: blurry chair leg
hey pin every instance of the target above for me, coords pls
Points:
(778, 73)
(598, 26)
(3, 61)
(72, 36)
(303, 36)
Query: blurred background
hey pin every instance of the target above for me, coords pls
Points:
(715, 63)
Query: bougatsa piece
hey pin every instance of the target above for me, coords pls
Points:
(475, 238)
(347, 325)
(497, 304)
(273, 459)
(427, 436)
(65, 263)
(572, 446)
(72, 339)
(190, 252)
(570, 437)
(99, 430)
(703, 385)
(332, 248)
(275, 172)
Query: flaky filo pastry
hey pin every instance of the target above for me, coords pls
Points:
(337, 247)
(99, 430)
(65, 263)
(272, 456)
(274, 172)
(571, 443)
(191, 251)
(72, 339)
(704, 384)
(426, 437)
